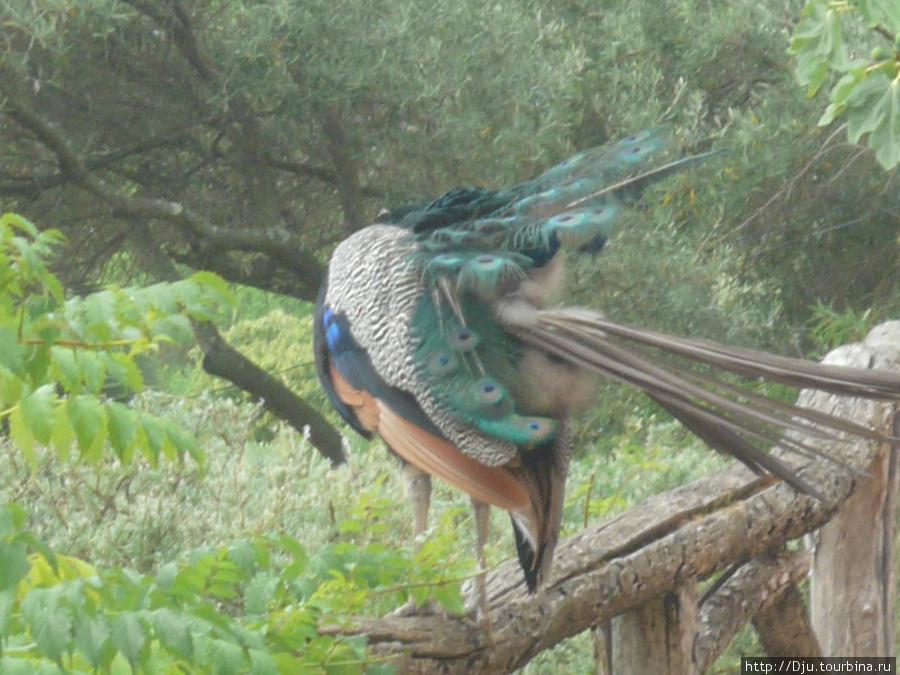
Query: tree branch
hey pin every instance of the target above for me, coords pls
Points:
(223, 360)
(275, 241)
(752, 589)
(33, 185)
(324, 175)
(784, 627)
(345, 169)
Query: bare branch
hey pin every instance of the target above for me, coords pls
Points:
(33, 185)
(273, 240)
(743, 595)
(324, 175)
(345, 168)
(223, 360)
(784, 626)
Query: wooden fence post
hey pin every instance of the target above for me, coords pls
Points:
(853, 578)
(656, 637)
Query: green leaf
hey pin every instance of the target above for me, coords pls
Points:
(124, 370)
(39, 412)
(839, 94)
(865, 105)
(296, 550)
(128, 637)
(243, 554)
(227, 658)
(22, 436)
(262, 663)
(92, 638)
(173, 631)
(122, 427)
(37, 363)
(39, 546)
(99, 311)
(50, 622)
(258, 592)
(11, 353)
(818, 43)
(66, 368)
(7, 600)
(88, 417)
(873, 107)
(181, 440)
(150, 437)
(450, 597)
(885, 141)
(15, 221)
(63, 438)
(92, 369)
(14, 666)
(163, 297)
(175, 327)
(216, 284)
(13, 564)
(12, 518)
(874, 10)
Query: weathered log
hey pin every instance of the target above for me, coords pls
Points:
(784, 627)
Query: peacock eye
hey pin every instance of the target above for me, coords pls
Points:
(485, 259)
(636, 150)
(443, 363)
(464, 340)
(490, 392)
(600, 211)
(566, 218)
(534, 426)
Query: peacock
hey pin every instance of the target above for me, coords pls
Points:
(440, 329)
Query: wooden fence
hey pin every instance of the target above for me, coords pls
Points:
(641, 581)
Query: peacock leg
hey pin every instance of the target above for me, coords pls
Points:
(418, 491)
(482, 527)
(417, 485)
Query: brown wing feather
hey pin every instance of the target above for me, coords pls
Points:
(364, 405)
(435, 456)
(493, 485)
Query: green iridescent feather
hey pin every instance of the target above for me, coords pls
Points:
(475, 246)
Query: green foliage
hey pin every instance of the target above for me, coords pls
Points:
(58, 354)
(253, 605)
(259, 599)
(831, 328)
(868, 93)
